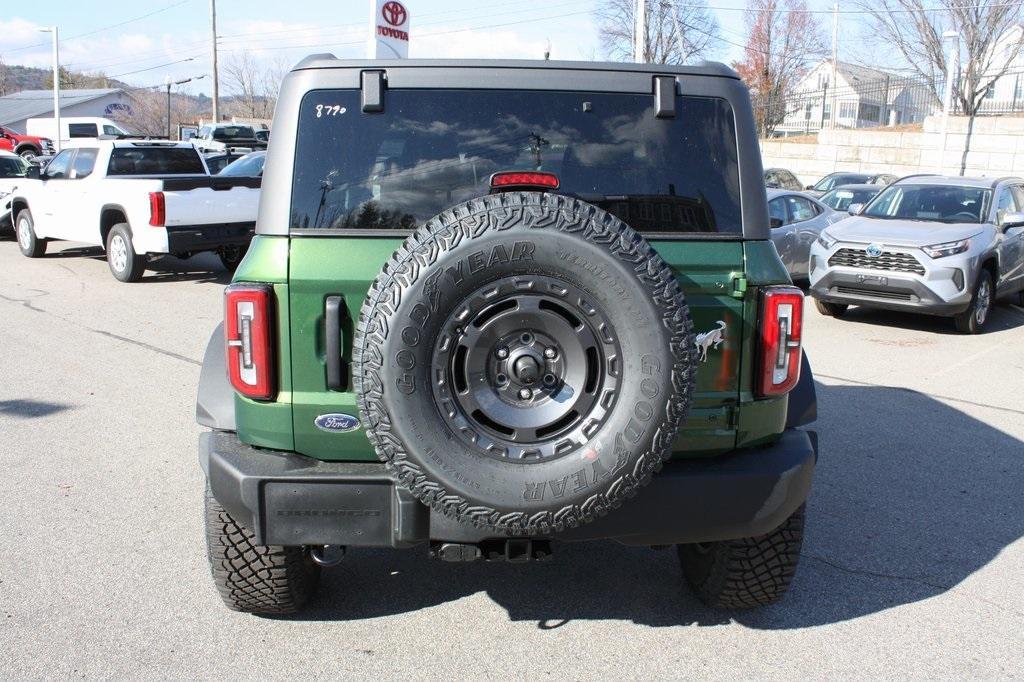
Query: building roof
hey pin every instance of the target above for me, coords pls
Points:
(32, 103)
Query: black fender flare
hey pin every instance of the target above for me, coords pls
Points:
(803, 399)
(215, 404)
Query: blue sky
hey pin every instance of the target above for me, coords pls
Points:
(173, 41)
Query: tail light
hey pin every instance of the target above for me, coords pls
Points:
(524, 180)
(782, 311)
(247, 323)
(157, 210)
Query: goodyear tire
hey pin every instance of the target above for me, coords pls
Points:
(523, 362)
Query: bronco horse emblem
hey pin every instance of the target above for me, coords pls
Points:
(709, 340)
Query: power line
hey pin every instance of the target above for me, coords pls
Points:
(104, 28)
(151, 68)
(782, 10)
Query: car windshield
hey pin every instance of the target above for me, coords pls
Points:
(931, 203)
(841, 199)
(234, 133)
(12, 167)
(431, 150)
(836, 179)
(250, 165)
(155, 161)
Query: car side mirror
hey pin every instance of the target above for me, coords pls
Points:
(1011, 220)
(33, 173)
(809, 187)
(775, 222)
(855, 209)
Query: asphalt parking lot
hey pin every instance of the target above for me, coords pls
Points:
(912, 565)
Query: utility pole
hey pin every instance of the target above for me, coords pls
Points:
(213, 45)
(56, 86)
(835, 65)
(952, 63)
(640, 26)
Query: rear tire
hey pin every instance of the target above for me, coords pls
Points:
(125, 264)
(25, 232)
(255, 578)
(745, 573)
(231, 256)
(972, 320)
(830, 309)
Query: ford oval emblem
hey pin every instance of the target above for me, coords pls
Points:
(336, 423)
(874, 250)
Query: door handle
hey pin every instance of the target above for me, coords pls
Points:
(334, 311)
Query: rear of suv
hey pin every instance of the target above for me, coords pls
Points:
(494, 306)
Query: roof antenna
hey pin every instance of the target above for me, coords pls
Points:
(547, 50)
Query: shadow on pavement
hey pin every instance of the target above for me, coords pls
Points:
(201, 268)
(1002, 317)
(30, 409)
(911, 497)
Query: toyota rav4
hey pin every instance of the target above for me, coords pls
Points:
(495, 306)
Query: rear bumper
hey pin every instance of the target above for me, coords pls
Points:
(290, 499)
(182, 239)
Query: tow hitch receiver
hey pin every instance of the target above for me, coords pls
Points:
(515, 550)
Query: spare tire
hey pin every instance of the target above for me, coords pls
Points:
(523, 362)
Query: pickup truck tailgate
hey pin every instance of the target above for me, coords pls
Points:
(211, 200)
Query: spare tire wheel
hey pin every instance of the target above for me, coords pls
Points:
(523, 362)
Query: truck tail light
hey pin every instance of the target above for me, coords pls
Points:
(779, 355)
(157, 210)
(247, 324)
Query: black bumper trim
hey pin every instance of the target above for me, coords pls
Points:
(183, 239)
(290, 499)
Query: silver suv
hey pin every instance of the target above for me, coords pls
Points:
(928, 244)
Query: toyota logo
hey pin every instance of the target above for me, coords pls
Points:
(394, 13)
(874, 250)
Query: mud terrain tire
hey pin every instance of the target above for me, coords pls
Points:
(569, 315)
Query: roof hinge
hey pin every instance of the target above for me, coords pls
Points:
(665, 96)
(373, 91)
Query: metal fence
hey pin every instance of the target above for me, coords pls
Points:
(892, 101)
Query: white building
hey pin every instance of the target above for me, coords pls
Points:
(863, 97)
(17, 108)
(1006, 93)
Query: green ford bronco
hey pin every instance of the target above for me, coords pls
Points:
(495, 306)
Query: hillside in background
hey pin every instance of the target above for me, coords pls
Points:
(15, 78)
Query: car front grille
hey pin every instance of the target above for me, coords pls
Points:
(888, 260)
(875, 293)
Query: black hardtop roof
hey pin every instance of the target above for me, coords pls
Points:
(329, 61)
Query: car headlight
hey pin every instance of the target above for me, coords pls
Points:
(947, 248)
(826, 240)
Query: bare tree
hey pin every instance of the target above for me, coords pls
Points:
(676, 31)
(915, 29)
(147, 114)
(253, 83)
(782, 40)
(4, 77)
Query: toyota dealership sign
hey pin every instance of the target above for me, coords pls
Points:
(389, 30)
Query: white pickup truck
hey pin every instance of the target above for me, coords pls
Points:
(135, 199)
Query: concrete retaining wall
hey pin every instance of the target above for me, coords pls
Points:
(996, 148)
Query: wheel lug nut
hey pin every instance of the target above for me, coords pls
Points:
(525, 394)
(503, 353)
(550, 353)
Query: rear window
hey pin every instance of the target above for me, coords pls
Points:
(155, 161)
(234, 133)
(430, 150)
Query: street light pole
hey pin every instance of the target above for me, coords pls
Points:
(213, 43)
(56, 85)
(169, 84)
